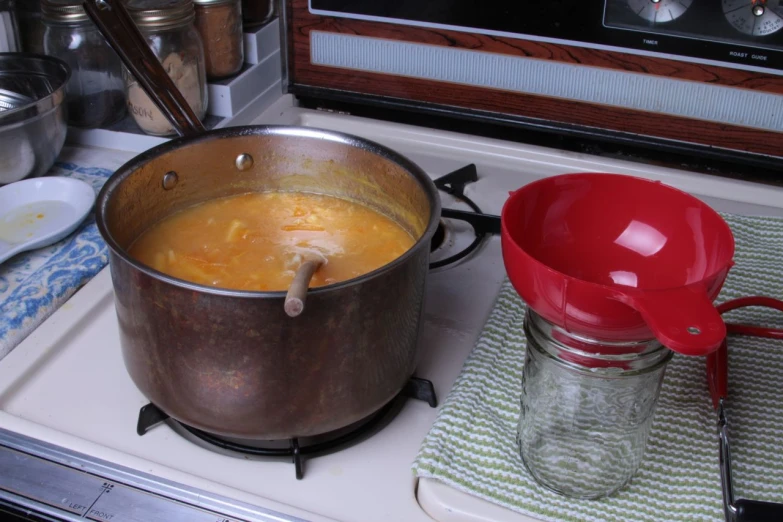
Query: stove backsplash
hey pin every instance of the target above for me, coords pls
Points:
(704, 75)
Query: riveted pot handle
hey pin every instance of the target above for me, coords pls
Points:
(684, 320)
(119, 30)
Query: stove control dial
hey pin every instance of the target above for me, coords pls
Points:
(754, 17)
(659, 11)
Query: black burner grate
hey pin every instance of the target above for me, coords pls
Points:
(483, 224)
(297, 448)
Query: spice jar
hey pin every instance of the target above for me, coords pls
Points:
(587, 408)
(169, 28)
(219, 22)
(94, 93)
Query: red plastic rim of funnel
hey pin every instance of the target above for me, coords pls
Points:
(617, 257)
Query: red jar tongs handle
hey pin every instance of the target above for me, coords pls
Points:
(740, 510)
(718, 361)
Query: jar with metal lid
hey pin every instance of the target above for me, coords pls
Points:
(219, 22)
(170, 31)
(587, 408)
(94, 94)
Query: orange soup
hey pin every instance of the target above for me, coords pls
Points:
(257, 241)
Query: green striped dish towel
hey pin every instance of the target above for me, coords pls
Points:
(471, 446)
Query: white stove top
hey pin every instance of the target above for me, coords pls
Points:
(66, 384)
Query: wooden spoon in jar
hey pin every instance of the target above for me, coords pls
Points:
(297, 292)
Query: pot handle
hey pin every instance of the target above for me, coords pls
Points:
(684, 319)
(119, 30)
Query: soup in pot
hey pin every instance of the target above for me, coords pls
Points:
(257, 241)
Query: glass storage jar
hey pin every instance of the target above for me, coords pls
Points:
(219, 22)
(94, 93)
(169, 28)
(587, 408)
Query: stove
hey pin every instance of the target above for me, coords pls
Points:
(69, 413)
(79, 441)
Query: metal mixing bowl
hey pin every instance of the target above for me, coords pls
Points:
(32, 114)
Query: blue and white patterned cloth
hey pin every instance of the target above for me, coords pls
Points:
(34, 284)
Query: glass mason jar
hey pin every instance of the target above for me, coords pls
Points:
(94, 93)
(587, 408)
(168, 26)
(219, 22)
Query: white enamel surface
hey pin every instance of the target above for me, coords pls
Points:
(40, 211)
(66, 384)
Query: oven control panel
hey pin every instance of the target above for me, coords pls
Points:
(744, 34)
(737, 31)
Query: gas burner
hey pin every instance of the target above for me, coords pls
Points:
(463, 227)
(298, 447)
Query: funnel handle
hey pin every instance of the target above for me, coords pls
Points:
(684, 319)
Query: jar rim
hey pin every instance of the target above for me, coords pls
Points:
(161, 14)
(204, 3)
(63, 11)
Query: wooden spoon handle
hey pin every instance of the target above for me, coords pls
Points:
(297, 292)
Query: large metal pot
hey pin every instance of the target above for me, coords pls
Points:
(233, 363)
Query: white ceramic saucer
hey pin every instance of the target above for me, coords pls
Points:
(40, 211)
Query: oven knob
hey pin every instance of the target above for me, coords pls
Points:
(754, 17)
(659, 11)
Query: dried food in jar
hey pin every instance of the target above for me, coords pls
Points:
(169, 29)
(220, 24)
(185, 75)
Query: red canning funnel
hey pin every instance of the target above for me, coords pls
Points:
(619, 258)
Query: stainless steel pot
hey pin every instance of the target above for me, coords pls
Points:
(233, 363)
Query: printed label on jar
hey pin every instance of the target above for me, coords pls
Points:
(147, 115)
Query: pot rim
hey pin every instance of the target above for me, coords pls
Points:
(137, 162)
